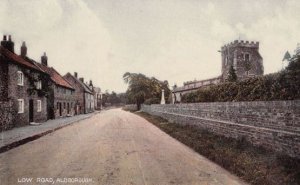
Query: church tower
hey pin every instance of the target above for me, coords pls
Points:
(244, 57)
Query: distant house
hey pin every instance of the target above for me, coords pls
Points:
(98, 98)
(90, 101)
(21, 84)
(83, 95)
(61, 99)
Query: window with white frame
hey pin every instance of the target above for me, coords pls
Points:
(20, 78)
(20, 106)
(39, 105)
(38, 84)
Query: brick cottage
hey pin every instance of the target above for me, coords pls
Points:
(21, 86)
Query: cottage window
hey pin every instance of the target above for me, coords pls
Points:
(20, 106)
(38, 84)
(39, 106)
(20, 78)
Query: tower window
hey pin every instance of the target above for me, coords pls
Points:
(246, 56)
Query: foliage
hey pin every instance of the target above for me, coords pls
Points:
(232, 77)
(33, 78)
(284, 85)
(143, 89)
(113, 99)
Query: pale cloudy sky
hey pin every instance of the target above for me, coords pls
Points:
(173, 40)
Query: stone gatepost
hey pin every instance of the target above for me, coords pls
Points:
(163, 97)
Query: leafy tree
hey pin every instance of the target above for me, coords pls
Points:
(143, 89)
(110, 99)
(232, 77)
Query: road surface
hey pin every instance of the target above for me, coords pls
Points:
(113, 147)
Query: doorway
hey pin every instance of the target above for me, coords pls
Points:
(60, 109)
(31, 109)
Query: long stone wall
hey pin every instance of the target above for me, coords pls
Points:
(274, 124)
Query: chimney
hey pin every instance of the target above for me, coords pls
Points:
(91, 83)
(81, 79)
(23, 50)
(8, 44)
(44, 59)
(76, 75)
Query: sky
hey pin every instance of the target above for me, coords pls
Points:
(172, 40)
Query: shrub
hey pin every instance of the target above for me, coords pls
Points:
(284, 85)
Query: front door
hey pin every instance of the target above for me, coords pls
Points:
(60, 110)
(31, 108)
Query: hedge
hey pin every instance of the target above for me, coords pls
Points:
(284, 85)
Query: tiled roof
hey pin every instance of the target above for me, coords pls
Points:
(18, 59)
(86, 87)
(83, 85)
(55, 76)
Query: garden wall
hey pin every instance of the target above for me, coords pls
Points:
(272, 124)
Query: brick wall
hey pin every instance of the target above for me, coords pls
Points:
(274, 124)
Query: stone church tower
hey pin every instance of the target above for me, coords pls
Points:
(244, 57)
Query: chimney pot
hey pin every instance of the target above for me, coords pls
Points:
(23, 50)
(8, 44)
(9, 38)
(81, 79)
(44, 59)
(76, 75)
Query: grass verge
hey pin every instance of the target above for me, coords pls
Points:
(253, 164)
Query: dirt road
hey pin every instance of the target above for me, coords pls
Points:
(113, 147)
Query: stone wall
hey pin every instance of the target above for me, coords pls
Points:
(130, 107)
(64, 101)
(79, 94)
(16, 92)
(6, 115)
(274, 124)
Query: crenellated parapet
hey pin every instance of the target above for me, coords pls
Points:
(241, 43)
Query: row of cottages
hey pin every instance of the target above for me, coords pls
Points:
(83, 93)
(36, 92)
(243, 56)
